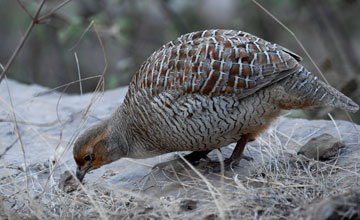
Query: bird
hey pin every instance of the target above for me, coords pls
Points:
(203, 91)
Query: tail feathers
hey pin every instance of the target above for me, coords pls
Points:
(314, 91)
(334, 98)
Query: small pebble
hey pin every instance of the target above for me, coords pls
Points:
(323, 147)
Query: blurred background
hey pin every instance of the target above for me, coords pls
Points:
(132, 29)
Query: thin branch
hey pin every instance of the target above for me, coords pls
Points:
(82, 35)
(22, 41)
(42, 18)
(35, 20)
(9, 147)
(24, 8)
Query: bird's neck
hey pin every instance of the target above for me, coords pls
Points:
(120, 134)
(124, 132)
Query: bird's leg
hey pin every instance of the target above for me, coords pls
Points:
(239, 148)
(236, 155)
(193, 158)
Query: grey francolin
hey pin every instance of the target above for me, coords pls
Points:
(201, 92)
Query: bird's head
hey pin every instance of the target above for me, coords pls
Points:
(93, 149)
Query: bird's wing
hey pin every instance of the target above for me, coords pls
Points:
(215, 62)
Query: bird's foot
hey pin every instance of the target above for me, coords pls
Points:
(227, 164)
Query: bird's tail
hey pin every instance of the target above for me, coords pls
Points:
(334, 98)
(318, 93)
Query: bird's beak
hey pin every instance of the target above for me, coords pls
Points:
(80, 174)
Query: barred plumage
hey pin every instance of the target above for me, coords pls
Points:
(215, 62)
(203, 91)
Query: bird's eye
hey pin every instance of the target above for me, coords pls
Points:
(87, 157)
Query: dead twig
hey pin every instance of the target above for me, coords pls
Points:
(9, 147)
(24, 8)
(52, 11)
(23, 39)
(34, 20)
(82, 35)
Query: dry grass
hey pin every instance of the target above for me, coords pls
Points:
(277, 185)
